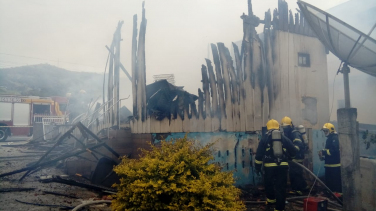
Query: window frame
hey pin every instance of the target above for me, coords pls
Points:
(301, 57)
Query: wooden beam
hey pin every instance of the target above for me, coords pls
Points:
(264, 88)
(134, 66)
(258, 78)
(240, 83)
(213, 88)
(234, 92)
(221, 100)
(117, 38)
(213, 91)
(141, 68)
(227, 88)
(200, 120)
(205, 86)
(110, 85)
(268, 68)
(186, 121)
(121, 65)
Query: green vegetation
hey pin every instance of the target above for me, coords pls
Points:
(175, 176)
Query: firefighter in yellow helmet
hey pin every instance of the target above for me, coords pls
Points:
(297, 181)
(273, 152)
(332, 158)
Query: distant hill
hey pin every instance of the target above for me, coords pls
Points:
(46, 80)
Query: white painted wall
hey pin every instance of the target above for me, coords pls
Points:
(294, 82)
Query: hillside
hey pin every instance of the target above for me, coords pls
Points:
(47, 80)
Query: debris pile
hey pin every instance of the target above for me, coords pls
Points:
(43, 182)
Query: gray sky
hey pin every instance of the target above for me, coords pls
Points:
(71, 34)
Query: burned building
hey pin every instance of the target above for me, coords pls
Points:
(279, 72)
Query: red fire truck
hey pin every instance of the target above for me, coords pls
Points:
(19, 113)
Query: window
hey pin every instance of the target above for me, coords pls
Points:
(304, 60)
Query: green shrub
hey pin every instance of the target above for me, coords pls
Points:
(175, 176)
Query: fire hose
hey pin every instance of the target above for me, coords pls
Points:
(91, 202)
(321, 182)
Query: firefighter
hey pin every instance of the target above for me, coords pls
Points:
(332, 159)
(297, 181)
(274, 151)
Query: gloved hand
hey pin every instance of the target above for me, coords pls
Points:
(258, 172)
(320, 153)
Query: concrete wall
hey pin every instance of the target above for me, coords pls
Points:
(232, 151)
(368, 183)
(238, 146)
(318, 143)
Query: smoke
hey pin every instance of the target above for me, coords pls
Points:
(361, 15)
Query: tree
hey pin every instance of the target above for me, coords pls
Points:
(175, 176)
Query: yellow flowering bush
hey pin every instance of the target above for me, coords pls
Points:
(175, 176)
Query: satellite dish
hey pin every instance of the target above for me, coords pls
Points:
(350, 45)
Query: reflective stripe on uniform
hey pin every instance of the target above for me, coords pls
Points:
(297, 140)
(275, 164)
(297, 148)
(284, 149)
(258, 162)
(271, 200)
(333, 165)
(267, 149)
(328, 152)
(298, 160)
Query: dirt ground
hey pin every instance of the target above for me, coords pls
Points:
(10, 162)
(13, 158)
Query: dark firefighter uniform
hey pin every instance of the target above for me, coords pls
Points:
(332, 159)
(298, 183)
(275, 178)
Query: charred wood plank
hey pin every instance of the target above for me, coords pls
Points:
(45, 205)
(227, 87)
(58, 142)
(134, 66)
(248, 89)
(141, 69)
(258, 78)
(218, 72)
(81, 126)
(110, 85)
(58, 179)
(207, 112)
(213, 88)
(46, 163)
(296, 27)
(268, 67)
(7, 190)
(205, 88)
(215, 122)
(60, 194)
(291, 22)
(120, 64)
(234, 92)
(240, 82)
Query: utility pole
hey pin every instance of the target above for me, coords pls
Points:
(349, 149)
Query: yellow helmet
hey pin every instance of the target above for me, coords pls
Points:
(286, 121)
(272, 125)
(328, 128)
